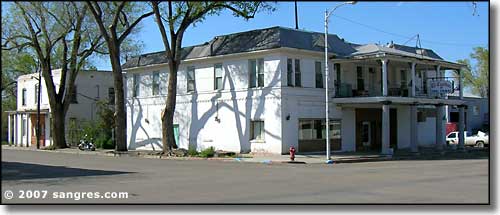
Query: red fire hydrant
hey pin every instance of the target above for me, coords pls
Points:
(292, 153)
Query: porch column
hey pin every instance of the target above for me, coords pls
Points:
(386, 141)
(9, 134)
(413, 128)
(413, 83)
(440, 137)
(384, 76)
(461, 116)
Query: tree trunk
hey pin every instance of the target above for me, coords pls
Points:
(120, 114)
(167, 118)
(58, 127)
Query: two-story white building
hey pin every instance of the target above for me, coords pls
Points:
(262, 91)
(90, 86)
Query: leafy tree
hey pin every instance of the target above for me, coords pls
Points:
(57, 35)
(477, 77)
(178, 16)
(116, 21)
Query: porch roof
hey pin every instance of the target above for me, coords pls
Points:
(396, 100)
(398, 53)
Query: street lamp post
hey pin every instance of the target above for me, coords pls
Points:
(327, 126)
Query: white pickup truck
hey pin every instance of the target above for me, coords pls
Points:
(480, 139)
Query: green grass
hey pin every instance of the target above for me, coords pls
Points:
(207, 153)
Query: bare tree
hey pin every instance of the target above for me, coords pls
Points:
(178, 16)
(116, 21)
(59, 35)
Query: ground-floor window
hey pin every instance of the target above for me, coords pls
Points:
(314, 129)
(257, 130)
(23, 127)
(312, 135)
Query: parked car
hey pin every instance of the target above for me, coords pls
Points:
(479, 140)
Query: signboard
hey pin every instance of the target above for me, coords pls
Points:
(440, 87)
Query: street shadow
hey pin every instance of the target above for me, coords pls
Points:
(22, 171)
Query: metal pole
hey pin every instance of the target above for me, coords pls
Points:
(296, 17)
(38, 111)
(327, 120)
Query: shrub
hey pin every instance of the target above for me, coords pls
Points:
(51, 147)
(109, 144)
(208, 153)
(192, 152)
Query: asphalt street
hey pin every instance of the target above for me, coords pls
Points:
(39, 177)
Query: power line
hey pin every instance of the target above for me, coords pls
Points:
(404, 36)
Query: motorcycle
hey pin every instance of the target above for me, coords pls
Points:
(86, 145)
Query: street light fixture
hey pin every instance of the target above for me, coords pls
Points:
(327, 126)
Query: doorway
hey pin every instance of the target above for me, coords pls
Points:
(33, 120)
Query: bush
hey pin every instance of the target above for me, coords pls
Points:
(51, 147)
(208, 153)
(109, 144)
(192, 152)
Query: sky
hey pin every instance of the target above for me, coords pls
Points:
(451, 29)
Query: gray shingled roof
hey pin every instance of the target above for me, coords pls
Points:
(278, 37)
(399, 50)
(261, 39)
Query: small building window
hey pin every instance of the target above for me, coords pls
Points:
(218, 73)
(23, 127)
(135, 84)
(475, 110)
(23, 96)
(298, 80)
(190, 79)
(289, 72)
(36, 94)
(360, 78)
(257, 130)
(111, 95)
(156, 83)
(319, 74)
(74, 96)
(256, 72)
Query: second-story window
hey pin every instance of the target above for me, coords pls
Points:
(36, 94)
(23, 96)
(289, 72)
(111, 95)
(256, 72)
(360, 78)
(403, 79)
(190, 79)
(135, 83)
(298, 80)
(74, 99)
(319, 74)
(218, 73)
(156, 83)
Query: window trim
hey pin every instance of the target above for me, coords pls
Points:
(135, 85)
(23, 96)
(189, 80)
(254, 72)
(289, 72)
(216, 66)
(297, 73)
(253, 137)
(320, 75)
(155, 83)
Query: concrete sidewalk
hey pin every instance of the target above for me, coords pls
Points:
(316, 158)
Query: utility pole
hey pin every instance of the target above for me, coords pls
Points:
(296, 17)
(38, 127)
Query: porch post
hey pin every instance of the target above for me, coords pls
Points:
(386, 141)
(413, 83)
(9, 127)
(461, 116)
(413, 128)
(440, 140)
(384, 76)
